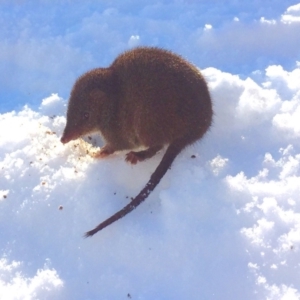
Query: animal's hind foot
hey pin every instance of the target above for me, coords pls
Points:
(134, 157)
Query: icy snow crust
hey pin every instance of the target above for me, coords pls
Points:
(224, 223)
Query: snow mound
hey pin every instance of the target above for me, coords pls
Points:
(223, 222)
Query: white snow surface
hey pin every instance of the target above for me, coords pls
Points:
(224, 222)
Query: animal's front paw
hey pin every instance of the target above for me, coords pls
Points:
(104, 152)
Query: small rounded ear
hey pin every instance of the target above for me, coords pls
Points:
(97, 95)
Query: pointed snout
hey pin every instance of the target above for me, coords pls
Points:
(64, 140)
(67, 137)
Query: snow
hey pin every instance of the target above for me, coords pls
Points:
(292, 14)
(13, 285)
(224, 222)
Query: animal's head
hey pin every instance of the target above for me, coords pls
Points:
(88, 104)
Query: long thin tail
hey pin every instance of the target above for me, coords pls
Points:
(167, 160)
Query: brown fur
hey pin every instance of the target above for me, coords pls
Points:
(148, 97)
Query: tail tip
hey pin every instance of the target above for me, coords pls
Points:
(88, 234)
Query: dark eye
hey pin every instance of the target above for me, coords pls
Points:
(85, 115)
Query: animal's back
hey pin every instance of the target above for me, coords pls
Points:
(164, 97)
